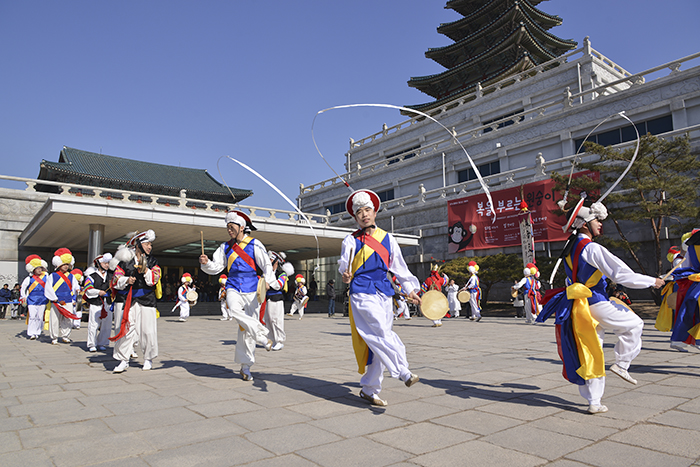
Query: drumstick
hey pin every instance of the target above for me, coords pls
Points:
(670, 272)
(201, 235)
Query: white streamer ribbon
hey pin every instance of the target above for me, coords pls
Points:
(279, 192)
(389, 106)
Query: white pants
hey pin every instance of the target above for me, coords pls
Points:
(529, 315)
(455, 306)
(474, 304)
(374, 320)
(36, 319)
(59, 325)
(225, 313)
(274, 320)
(143, 328)
(628, 328)
(402, 308)
(78, 311)
(103, 324)
(245, 309)
(184, 310)
(296, 306)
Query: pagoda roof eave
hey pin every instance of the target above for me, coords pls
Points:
(424, 81)
(466, 7)
(533, 27)
(522, 63)
(462, 23)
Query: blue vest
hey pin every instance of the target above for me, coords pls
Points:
(64, 293)
(584, 274)
(36, 296)
(241, 276)
(370, 277)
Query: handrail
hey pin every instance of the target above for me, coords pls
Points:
(162, 201)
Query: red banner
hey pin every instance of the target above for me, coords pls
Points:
(470, 218)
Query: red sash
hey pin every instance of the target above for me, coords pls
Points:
(68, 283)
(377, 246)
(124, 327)
(243, 255)
(64, 312)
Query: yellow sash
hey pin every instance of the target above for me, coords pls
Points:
(664, 320)
(590, 351)
(365, 252)
(244, 243)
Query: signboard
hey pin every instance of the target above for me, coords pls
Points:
(470, 218)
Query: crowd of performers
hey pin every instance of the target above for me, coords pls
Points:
(125, 287)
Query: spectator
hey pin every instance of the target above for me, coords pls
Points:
(14, 296)
(313, 289)
(5, 297)
(330, 292)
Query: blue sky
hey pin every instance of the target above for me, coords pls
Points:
(185, 82)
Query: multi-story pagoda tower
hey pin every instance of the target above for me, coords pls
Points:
(494, 39)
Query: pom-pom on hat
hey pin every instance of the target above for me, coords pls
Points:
(105, 258)
(62, 256)
(186, 277)
(299, 278)
(280, 257)
(34, 261)
(223, 278)
(78, 274)
(473, 267)
(673, 252)
(362, 198)
(239, 218)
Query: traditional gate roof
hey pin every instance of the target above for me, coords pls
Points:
(100, 170)
(494, 40)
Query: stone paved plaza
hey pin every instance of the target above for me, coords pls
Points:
(491, 394)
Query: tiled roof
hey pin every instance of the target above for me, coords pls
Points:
(89, 168)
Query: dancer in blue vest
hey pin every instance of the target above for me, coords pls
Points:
(529, 285)
(366, 256)
(61, 289)
(583, 311)
(242, 256)
(686, 328)
(32, 294)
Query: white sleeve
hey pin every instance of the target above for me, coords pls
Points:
(48, 288)
(217, 263)
(521, 283)
(397, 265)
(614, 268)
(262, 259)
(23, 290)
(346, 254)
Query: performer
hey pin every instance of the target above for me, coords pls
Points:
(687, 326)
(182, 302)
(242, 256)
(32, 294)
(98, 296)
(78, 305)
(434, 282)
(61, 289)
(452, 301)
(299, 303)
(666, 318)
(274, 306)
(529, 284)
(225, 313)
(136, 276)
(474, 292)
(583, 311)
(400, 305)
(366, 256)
